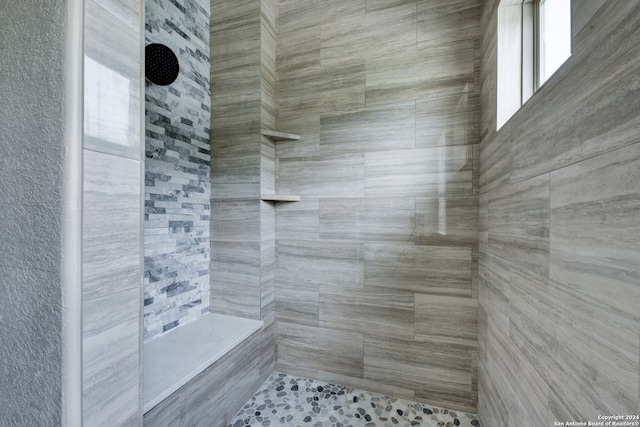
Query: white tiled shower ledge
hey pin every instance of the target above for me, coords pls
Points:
(176, 357)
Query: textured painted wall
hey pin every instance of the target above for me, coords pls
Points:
(31, 171)
(112, 214)
(376, 265)
(177, 181)
(559, 287)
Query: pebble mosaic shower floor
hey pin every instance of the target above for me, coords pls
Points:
(284, 400)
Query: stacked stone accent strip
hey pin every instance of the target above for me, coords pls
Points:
(177, 183)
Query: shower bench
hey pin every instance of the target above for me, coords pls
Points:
(197, 365)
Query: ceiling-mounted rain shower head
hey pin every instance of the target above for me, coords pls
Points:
(161, 64)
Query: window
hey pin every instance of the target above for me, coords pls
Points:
(534, 40)
(554, 40)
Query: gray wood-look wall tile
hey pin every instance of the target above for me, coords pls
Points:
(111, 288)
(314, 348)
(111, 255)
(448, 120)
(112, 54)
(297, 302)
(295, 15)
(268, 112)
(267, 280)
(235, 167)
(488, 77)
(102, 313)
(441, 171)
(232, 15)
(519, 223)
(111, 383)
(443, 22)
(447, 220)
(594, 256)
(380, 312)
(235, 278)
(483, 215)
(298, 221)
(235, 63)
(607, 359)
(267, 166)
(386, 219)
(304, 122)
(128, 12)
(433, 71)
(267, 221)
(299, 50)
(475, 178)
(381, 33)
(494, 153)
(235, 220)
(490, 402)
(237, 123)
(235, 39)
(363, 92)
(581, 13)
(367, 219)
(117, 50)
(111, 214)
(494, 288)
(475, 275)
(446, 319)
(438, 270)
(388, 127)
(594, 229)
(528, 391)
(321, 263)
(556, 261)
(338, 86)
(328, 176)
(339, 219)
(438, 372)
(532, 318)
(380, 5)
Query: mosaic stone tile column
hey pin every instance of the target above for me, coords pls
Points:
(177, 179)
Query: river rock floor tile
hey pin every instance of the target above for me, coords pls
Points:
(285, 400)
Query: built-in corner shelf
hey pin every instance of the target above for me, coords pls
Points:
(279, 136)
(279, 198)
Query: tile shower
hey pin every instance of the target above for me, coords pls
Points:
(375, 283)
(354, 280)
(430, 257)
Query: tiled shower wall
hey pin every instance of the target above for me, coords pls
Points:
(242, 167)
(112, 214)
(177, 182)
(559, 287)
(376, 265)
(242, 226)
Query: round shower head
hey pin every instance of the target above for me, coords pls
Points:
(161, 64)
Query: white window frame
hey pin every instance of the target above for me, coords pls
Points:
(519, 22)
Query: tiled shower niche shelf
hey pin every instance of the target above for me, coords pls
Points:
(279, 136)
(279, 198)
